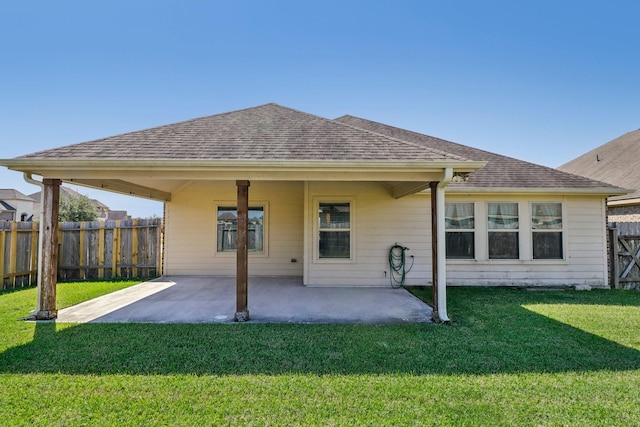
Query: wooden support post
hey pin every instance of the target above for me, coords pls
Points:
(33, 264)
(242, 271)
(49, 268)
(434, 247)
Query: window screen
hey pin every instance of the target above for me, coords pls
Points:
(334, 227)
(460, 235)
(228, 229)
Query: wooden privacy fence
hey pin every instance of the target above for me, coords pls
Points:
(624, 252)
(87, 250)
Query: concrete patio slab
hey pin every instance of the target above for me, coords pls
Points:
(205, 299)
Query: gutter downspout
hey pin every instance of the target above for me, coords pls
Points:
(29, 178)
(442, 248)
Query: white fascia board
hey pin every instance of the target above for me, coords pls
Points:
(598, 191)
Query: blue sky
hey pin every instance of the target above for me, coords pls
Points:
(543, 81)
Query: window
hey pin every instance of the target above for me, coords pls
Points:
(546, 229)
(503, 225)
(228, 229)
(459, 223)
(334, 230)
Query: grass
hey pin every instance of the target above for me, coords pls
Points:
(511, 357)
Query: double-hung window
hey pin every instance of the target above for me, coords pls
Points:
(227, 230)
(546, 230)
(459, 223)
(334, 230)
(503, 229)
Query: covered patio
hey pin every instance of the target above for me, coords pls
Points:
(209, 299)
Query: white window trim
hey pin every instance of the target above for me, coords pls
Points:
(525, 238)
(563, 230)
(265, 228)
(352, 230)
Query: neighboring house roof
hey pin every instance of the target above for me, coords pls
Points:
(616, 162)
(6, 206)
(11, 194)
(117, 215)
(68, 192)
(499, 172)
(64, 192)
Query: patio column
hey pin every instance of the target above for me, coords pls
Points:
(439, 248)
(242, 252)
(433, 186)
(46, 308)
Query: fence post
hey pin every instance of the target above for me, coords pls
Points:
(13, 254)
(101, 237)
(115, 271)
(134, 248)
(3, 238)
(81, 255)
(615, 263)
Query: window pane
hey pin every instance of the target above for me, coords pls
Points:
(459, 216)
(335, 244)
(546, 216)
(503, 245)
(228, 229)
(547, 245)
(503, 216)
(460, 245)
(334, 215)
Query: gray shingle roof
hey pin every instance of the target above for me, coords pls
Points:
(11, 194)
(499, 172)
(267, 132)
(616, 162)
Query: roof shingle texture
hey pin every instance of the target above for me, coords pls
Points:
(616, 162)
(499, 172)
(268, 132)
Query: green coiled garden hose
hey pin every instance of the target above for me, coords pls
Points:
(397, 265)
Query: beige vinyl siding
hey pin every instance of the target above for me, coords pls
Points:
(190, 238)
(380, 221)
(584, 235)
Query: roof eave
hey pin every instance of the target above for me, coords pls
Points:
(25, 164)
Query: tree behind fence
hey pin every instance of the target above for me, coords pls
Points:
(87, 250)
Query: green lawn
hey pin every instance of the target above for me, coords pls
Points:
(511, 357)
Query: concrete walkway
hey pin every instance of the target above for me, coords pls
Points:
(205, 299)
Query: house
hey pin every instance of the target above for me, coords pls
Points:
(15, 206)
(616, 162)
(274, 191)
(102, 210)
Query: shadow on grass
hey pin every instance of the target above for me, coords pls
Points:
(493, 334)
